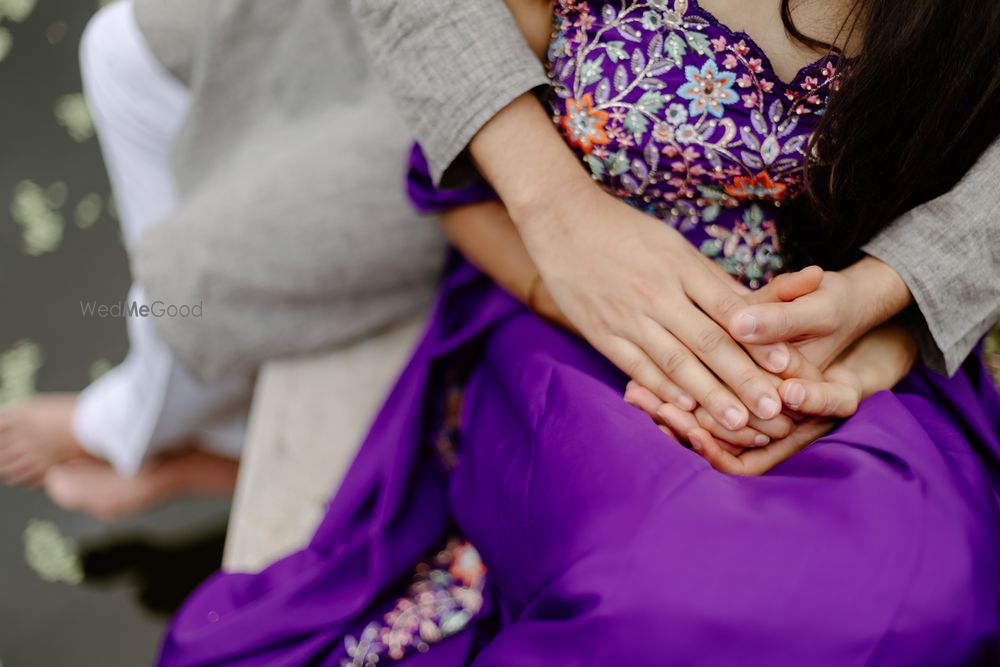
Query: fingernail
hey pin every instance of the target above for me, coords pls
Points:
(732, 419)
(767, 408)
(795, 393)
(745, 325)
(778, 359)
(693, 440)
(685, 402)
(760, 440)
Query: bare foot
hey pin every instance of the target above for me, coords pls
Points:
(35, 436)
(93, 487)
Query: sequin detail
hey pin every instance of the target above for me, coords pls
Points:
(445, 595)
(686, 120)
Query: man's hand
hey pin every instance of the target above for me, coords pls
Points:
(845, 306)
(632, 286)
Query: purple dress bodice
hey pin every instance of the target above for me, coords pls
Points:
(686, 120)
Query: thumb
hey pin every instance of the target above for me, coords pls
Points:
(789, 286)
(820, 399)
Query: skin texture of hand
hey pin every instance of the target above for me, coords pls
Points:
(845, 306)
(822, 313)
(875, 363)
(632, 286)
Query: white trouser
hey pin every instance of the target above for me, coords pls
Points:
(148, 403)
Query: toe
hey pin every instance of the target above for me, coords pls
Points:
(9, 465)
(23, 473)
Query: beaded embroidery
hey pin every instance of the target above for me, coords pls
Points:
(685, 119)
(445, 595)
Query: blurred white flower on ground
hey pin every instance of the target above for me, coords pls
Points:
(17, 10)
(88, 211)
(50, 554)
(72, 113)
(41, 222)
(18, 370)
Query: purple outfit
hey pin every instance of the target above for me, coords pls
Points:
(556, 525)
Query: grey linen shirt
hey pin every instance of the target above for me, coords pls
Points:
(293, 228)
(453, 64)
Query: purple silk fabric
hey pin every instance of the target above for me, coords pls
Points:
(605, 542)
(427, 198)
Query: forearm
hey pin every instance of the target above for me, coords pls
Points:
(485, 234)
(948, 253)
(523, 157)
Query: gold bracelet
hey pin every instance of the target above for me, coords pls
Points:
(529, 299)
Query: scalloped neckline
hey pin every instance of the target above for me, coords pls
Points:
(709, 15)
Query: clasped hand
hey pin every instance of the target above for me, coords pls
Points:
(747, 379)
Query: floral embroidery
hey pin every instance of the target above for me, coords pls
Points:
(756, 187)
(584, 126)
(446, 594)
(748, 250)
(708, 89)
(685, 119)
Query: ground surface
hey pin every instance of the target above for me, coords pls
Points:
(112, 586)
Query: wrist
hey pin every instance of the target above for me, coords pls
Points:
(563, 201)
(878, 292)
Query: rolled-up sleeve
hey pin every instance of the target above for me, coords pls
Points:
(948, 253)
(451, 66)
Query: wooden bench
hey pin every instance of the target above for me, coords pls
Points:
(308, 419)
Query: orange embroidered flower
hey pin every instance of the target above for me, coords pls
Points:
(466, 565)
(756, 187)
(583, 125)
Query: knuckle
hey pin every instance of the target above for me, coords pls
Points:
(709, 340)
(633, 367)
(827, 403)
(728, 305)
(715, 399)
(746, 381)
(784, 323)
(673, 361)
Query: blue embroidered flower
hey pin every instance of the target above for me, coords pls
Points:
(708, 89)
(652, 20)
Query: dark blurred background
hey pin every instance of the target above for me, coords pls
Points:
(73, 591)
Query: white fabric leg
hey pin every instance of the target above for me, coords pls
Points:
(148, 402)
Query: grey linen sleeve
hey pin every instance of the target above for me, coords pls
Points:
(450, 65)
(948, 253)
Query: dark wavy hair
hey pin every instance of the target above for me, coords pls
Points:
(916, 107)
